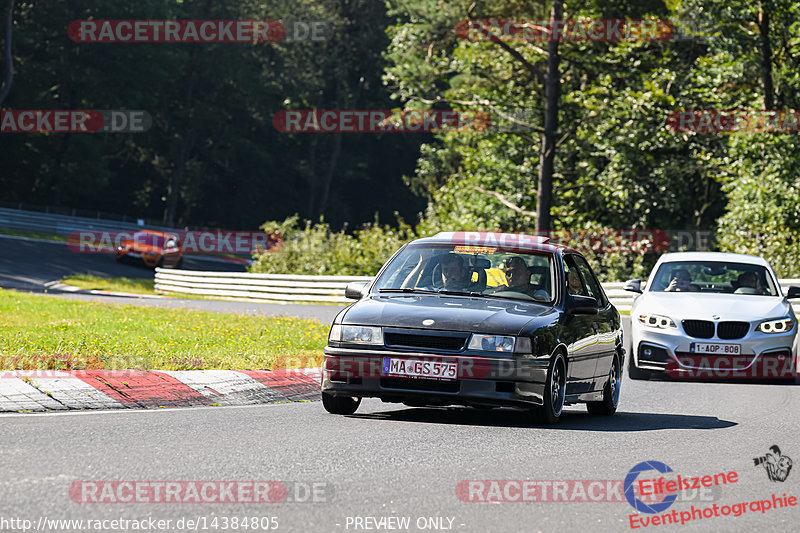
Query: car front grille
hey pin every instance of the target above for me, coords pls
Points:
(436, 342)
(732, 330)
(701, 329)
(421, 384)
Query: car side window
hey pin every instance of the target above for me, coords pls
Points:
(575, 285)
(594, 287)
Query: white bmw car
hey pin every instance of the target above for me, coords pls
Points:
(712, 315)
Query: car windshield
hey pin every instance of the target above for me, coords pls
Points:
(473, 270)
(152, 239)
(714, 277)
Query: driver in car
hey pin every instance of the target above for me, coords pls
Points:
(455, 276)
(682, 282)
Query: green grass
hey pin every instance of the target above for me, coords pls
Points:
(43, 332)
(132, 285)
(32, 234)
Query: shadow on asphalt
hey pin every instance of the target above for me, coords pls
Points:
(570, 420)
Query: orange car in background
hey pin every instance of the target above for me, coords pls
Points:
(153, 248)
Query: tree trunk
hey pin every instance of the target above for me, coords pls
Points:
(552, 90)
(766, 58)
(326, 187)
(8, 64)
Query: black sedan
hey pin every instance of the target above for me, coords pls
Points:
(478, 319)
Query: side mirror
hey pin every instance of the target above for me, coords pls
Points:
(581, 305)
(355, 290)
(633, 285)
(794, 292)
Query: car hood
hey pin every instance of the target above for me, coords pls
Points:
(477, 315)
(694, 306)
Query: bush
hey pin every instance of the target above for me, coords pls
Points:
(318, 250)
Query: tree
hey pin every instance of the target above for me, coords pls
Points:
(7, 71)
(547, 154)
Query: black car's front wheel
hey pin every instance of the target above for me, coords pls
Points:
(608, 405)
(340, 405)
(554, 391)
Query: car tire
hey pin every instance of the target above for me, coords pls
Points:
(340, 405)
(554, 392)
(611, 392)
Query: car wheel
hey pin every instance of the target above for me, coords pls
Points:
(340, 405)
(554, 392)
(608, 405)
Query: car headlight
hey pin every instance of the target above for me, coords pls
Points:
(657, 321)
(775, 326)
(356, 334)
(499, 343)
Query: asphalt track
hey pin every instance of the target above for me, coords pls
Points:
(389, 460)
(29, 265)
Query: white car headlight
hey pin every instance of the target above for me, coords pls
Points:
(492, 343)
(776, 326)
(356, 334)
(657, 321)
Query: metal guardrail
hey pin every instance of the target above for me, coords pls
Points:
(284, 288)
(59, 224)
(274, 288)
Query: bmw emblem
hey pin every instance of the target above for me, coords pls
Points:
(427, 322)
(715, 317)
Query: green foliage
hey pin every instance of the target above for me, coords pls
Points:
(763, 216)
(318, 250)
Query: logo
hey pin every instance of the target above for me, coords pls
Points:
(777, 466)
(715, 317)
(630, 484)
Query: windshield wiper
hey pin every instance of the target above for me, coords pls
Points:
(408, 290)
(461, 293)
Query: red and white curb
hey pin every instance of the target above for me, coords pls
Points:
(52, 390)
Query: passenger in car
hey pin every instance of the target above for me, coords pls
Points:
(518, 277)
(748, 283)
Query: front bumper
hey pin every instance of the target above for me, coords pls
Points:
(671, 351)
(481, 381)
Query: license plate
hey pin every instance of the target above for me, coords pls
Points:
(415, 368)
(715, 348)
